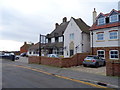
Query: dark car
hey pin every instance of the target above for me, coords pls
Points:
(23, 54)
(9, 56)
(93, 60)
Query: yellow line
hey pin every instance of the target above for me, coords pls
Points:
(75, 80)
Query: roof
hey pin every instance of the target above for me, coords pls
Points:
(58, 31)
(35, 46)
(82, 25)
(108, 25)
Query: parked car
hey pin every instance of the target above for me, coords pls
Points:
(53, 55)
(17, 57)
(9, 56)
(23, 54)
(93, 60)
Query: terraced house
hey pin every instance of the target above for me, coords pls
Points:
(105, 38)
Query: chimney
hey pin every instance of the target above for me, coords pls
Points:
(64, 19)
(25, 43)
(94, 15)
(118, 5)
(56, 25)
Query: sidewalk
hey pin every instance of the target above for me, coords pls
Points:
(79, 75)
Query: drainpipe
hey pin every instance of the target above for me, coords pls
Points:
(92, 41)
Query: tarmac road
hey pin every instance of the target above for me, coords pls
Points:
(16, 77)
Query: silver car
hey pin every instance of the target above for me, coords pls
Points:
(93, 60)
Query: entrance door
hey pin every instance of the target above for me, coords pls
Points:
(71, 52)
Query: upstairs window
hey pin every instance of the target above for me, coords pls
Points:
(46, 40)
(113, 18)
(72, 36)
(52, 40)
(101, 21)
(100, 36)
(60, 39)
(113, 35)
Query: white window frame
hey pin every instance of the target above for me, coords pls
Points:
(61, 39)
(97, 36)
(113, 32)
(112, 17)
(103, 51)
(110, 54)
(53, 40)
(99, 21)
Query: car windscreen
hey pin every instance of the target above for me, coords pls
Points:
(89, 57)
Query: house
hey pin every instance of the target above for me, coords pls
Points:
(55, 40)
(34, 50)
(105, 39)
(76, 37)
(25, 47)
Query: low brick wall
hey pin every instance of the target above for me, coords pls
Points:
(34, 59)
(113, 68)
(51, 61)
(59, 62)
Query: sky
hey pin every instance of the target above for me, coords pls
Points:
(24, 20)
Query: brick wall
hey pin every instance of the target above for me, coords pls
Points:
(34, 59)
(113, 68)
(59, 62)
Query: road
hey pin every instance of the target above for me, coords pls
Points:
(20, 74)
(17, 77)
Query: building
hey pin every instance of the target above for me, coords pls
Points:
(76, 37)
(55, 40)
(105, 39)
(25, 47)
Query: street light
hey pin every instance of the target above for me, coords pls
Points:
(92, 41)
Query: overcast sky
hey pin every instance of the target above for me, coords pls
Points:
(24, 20)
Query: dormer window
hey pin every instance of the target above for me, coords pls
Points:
(101, 21)
(113, 18)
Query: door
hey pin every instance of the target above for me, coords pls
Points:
(71, 52)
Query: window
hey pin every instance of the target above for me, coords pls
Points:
(71, 36)
(60, 39)
(53, 40)
(113, 18)
(30, 53)
(114, 54)
(46, 40)
(101, 53)
(113, 35)
(101, 21)
(100, 36)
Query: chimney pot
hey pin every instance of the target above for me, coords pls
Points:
(64, 19)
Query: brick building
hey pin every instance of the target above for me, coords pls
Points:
(105, 30)
(25, 47)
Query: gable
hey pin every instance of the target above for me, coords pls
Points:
(100, 15)
(113, 12)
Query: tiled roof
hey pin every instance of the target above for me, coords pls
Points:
(108, 25)
(35, 46)
(82, 25)
(94, 26)
(58, 31)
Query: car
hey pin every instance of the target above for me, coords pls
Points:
(23, 54)
(94, 60)
(53, 55)
(17, 57)
(9, 56)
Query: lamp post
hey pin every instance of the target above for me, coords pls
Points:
(92, 41)
(40, 45)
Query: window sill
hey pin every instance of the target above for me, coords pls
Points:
(113, 40)
(100, 41)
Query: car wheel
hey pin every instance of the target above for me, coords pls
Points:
(84, 65)
(97, 65)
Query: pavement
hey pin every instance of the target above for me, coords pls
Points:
(80, 73)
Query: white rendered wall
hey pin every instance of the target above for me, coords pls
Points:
(107, 42)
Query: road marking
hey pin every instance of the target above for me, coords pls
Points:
(67, 78)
